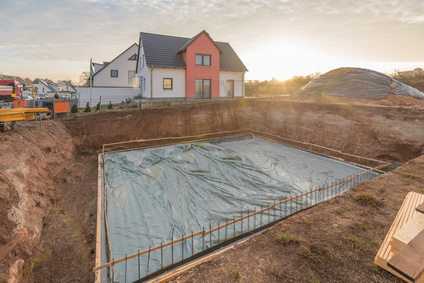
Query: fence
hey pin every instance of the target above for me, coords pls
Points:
(104, 95)
(151, 262)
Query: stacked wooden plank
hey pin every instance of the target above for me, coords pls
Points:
(402, 251)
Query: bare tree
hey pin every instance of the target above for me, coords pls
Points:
(84, 79)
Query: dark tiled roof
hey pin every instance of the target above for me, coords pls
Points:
(188, 42)
(161, 50)
(165, 51)
(228, 60)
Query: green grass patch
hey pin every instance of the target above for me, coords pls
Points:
(237, 274)
(314, 280)
(287, 239)
(274, 273)
(366, 199)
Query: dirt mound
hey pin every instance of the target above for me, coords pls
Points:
(417, 85)
(30, 160)
(358, 83)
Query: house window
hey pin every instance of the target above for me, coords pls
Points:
(131, 75)
(114, 73)
(203, 60)
(134, 57)
(203, 89)
(167, 83)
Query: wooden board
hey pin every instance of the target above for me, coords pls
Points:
(406, 212)
(410, 260)
(6, 249)
(98, 262)
(420, 208)
(409, 231)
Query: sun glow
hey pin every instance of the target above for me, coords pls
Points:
(287, 60)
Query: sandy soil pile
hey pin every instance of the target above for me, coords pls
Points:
(358, 83)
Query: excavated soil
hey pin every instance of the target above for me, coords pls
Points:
(50, 180)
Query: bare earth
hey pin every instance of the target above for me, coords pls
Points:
(50, 187)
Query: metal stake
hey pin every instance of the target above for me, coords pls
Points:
(210, 236)
(148, 262)
(138, 259)
(260, 223)
(172, 250)
(254, 220)
(161, 255)
(113, 270)
(248, 222)
(241, 222)
(192, 246)
(234, 226)
(219, 230)
(125, 268)
(281, 212)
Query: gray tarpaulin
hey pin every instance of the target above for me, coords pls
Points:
(358, 83)
(154, 195)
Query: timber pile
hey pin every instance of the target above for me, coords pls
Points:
(402, 251)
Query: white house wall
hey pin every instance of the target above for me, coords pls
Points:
(103, 77)
(178, 83)
(143, 82)
(104, 95)
(238, 78)
(42, 89)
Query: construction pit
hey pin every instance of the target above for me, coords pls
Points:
(50, 188)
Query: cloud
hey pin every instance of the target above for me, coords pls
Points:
(75, 31)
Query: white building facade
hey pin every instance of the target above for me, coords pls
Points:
(162, 70)
(119, 72)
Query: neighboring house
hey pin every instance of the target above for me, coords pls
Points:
(45, 87)
(67, 90)
(98, 66)
(67, 86)
(197, 67)
(18, 79)
(119, 72)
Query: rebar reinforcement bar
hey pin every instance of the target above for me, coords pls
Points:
(233, 222)
(211, 136)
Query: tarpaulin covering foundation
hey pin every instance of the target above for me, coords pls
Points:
(159, 194)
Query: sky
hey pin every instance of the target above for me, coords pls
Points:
(279, 39)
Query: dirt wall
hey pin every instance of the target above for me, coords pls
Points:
(91, 131)
(393, 133)
(31, 160)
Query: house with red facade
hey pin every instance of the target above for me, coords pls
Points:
(171, 67)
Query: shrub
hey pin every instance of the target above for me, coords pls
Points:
(87, 108)
(237, 274)
(287, 238)
(110, 106)
(74, 109)
(98, 106)
(366, 199)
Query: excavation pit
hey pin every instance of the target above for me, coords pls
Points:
(173, 203)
